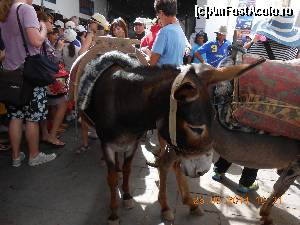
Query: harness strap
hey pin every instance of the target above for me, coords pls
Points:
(173, 104)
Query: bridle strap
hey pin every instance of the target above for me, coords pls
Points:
(173, 104)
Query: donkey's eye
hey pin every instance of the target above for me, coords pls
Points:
(197, 130)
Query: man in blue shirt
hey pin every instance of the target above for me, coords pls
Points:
(170, 43)
(215, 50)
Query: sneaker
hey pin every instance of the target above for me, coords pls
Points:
(217, 176)
(244, 190)
(18, 161)
(41, 158)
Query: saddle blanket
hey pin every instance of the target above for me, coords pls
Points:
(269, 97)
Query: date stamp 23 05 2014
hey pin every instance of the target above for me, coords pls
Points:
(202, 200)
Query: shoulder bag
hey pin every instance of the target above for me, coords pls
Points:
(14, 89)
(38, 69)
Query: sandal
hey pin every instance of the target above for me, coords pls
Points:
(4, 147)
(82, 149)
(58, 144)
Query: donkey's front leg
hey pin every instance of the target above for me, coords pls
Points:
(128, 157)
(184, 191)
(287, 177)
(166, 161)
(112, 180)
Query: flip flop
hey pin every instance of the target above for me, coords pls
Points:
(54, 145)
(4, 147)
(82, 149)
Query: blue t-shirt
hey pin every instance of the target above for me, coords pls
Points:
(170, 45)
(214, 51)
(192, 54)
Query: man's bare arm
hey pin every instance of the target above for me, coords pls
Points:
(198, 56)
(154, 59)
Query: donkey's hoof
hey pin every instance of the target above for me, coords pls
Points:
(168, 215)
(196, 211)
(128, 204)
(114, 222)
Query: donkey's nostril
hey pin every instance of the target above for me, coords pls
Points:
(201, 173)
(197, 130)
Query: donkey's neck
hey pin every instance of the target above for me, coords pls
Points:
(158, 93)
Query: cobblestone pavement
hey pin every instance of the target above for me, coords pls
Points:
(72, 190)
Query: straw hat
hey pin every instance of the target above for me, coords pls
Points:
(280, 29)
(101, 20)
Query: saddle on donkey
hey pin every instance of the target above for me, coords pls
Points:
(266, 98)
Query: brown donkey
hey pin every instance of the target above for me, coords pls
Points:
(124, 100)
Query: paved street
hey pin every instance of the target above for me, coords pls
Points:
(72, 190)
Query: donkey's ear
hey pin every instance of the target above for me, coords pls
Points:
(186, 92)
(228, 73)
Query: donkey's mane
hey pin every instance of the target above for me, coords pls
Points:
(95, 69)
(147, 75)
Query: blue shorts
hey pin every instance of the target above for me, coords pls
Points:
(34, 111)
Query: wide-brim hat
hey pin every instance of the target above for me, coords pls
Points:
(280, 29)
(101, 20)
(222, 30)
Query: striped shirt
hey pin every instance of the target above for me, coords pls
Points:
(281, 52)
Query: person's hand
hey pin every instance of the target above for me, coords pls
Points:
(82, 38)
(43, 26)
(146, 50)
(60, 44)
(259, 37)
(187, 51)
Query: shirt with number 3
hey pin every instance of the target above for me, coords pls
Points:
(214, 51)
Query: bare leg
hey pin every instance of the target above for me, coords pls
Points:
(184, 190)
(84, 132)
(44, 129)
(32, 137)
(287, 177)
(57, 120)
(15, 135)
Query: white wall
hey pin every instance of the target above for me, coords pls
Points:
(200, 23)
(296, 7)
(69, 8)
(213, 23)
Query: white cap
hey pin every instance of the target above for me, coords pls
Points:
(59, 23)
(70, 35)
(139, 20)
(70, 24)
(80, 28)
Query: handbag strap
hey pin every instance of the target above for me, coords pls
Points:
(21, 30)
(269, 50)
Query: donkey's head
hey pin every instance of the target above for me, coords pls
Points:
(188, 126)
